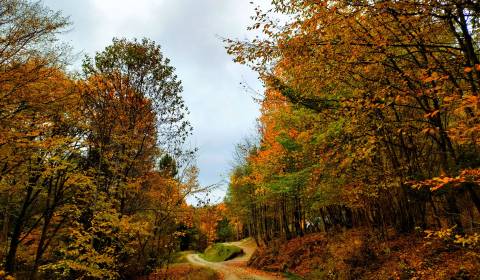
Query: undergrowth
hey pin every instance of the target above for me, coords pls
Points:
(360, 254)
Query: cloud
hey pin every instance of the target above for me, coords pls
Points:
(221, 112)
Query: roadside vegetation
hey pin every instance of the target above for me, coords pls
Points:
(221, 252)
(360, 254)
(365, 163)
(369, 126)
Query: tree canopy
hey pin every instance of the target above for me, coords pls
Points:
(369, 118)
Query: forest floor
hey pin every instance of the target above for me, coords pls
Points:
(361, 254)
(236, 269)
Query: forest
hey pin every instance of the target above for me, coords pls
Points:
(93, 168)
(369, 122)
(365, 163)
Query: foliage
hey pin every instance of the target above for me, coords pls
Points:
(225, 231)
(93, 177)
(137, 70)
(448, 235)
(369, 118)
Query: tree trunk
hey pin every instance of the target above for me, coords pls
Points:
(288, 235)
(17, 231)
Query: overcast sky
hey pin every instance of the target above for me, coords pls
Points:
(221, 112)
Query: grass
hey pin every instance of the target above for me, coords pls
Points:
(292, 276)
(221, 252)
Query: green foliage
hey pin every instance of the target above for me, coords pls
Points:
(292, 276)
(192, 239)
(225, 232)
(167, 166)
(288, 143)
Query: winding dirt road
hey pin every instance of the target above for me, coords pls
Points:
(236, 269)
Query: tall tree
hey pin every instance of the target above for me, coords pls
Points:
(394, 86)
(135, 111)
(31, 91)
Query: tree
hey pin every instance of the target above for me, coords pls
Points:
(28, 54)
(140, 67)
(30, 127)
(46, 175)
(133, 101)
(390, 89)
(90, 180)
(135, 123)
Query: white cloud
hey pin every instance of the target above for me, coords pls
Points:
(221, 112)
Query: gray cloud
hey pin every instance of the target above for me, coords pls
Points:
(221, 112)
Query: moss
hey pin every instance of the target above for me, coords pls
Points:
(221, 252)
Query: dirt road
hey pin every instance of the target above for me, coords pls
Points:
(236, 269)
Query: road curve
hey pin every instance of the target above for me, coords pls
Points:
(234, 269)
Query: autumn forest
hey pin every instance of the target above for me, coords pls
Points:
(364, 164)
